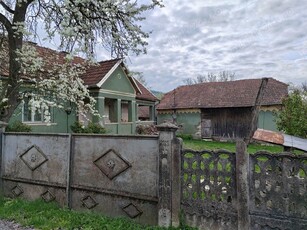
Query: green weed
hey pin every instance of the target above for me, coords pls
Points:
(42, 215)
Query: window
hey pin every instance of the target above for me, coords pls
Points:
(32, 114)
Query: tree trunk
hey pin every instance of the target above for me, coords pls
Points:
(15, 40)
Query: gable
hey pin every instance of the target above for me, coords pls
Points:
(118, 82)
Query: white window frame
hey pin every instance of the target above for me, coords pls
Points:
(33, 121)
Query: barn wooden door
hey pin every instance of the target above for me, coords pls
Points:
(206, 128)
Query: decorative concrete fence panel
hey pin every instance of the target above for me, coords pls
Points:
(130, 176)
(35, 166)
(278, 191)
(209, 189)
(261, 191)
(116, 175)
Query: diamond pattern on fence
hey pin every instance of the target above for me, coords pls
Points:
(17, 190)
(278, 185)
(132, 210)
(112, 163)
(33, 157)
(208, 183)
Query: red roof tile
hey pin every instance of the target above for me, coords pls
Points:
(240, 93)
(96, 73)
(92, 76)
(143, 112)
(49, 56)
(145, 93)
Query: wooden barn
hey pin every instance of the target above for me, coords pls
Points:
(222, 109)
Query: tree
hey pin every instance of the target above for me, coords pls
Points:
(139, 76)
(293, 117)
(211, 77)
(79, 25)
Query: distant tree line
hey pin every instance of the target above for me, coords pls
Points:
(211, 77)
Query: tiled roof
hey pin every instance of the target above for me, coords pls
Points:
(240, 93)
(50, 57)
(143, 112)
(145, 93)
(96, 73)
(92, 76)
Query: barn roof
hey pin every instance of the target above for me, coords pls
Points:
(240, 93)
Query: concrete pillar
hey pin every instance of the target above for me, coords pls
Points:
(242, 172)
(2, 130)
(169, 194)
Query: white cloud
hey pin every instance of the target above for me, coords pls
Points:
(253, 38)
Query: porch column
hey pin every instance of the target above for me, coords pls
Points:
(151, 113)
(132, 115)
(100, 109)
(136, 111)
(118, 114)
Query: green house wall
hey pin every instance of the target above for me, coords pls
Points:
(189, 123)
(266, 120)
(61, 122)
(118, 82)
(116, 86)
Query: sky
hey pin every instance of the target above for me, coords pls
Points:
(254, 39)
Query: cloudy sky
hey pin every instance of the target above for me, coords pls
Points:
(253, 38)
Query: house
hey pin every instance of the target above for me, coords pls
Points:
(117, 95)
(221, 109)
(147, 102)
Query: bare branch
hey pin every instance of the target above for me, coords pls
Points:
(7, 24)
(6, 7)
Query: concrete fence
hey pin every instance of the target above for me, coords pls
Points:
(152, 180)
(222, 190)
(130, 176)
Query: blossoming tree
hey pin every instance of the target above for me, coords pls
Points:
(79, 25)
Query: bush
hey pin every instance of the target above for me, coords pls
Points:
(95, 128)
(292, 119)
(77, 127)
(185, 136)
(146, 129)
(18, 126)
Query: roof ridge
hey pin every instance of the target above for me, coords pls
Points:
(58, 52)
(114, 59)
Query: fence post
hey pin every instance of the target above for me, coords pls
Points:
(69, 170)
(2, 130)
(169, 176)
(242, 172)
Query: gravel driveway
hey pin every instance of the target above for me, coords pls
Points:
(11, 225)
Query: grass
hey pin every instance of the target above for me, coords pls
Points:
(42, 215)
(214, 145)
